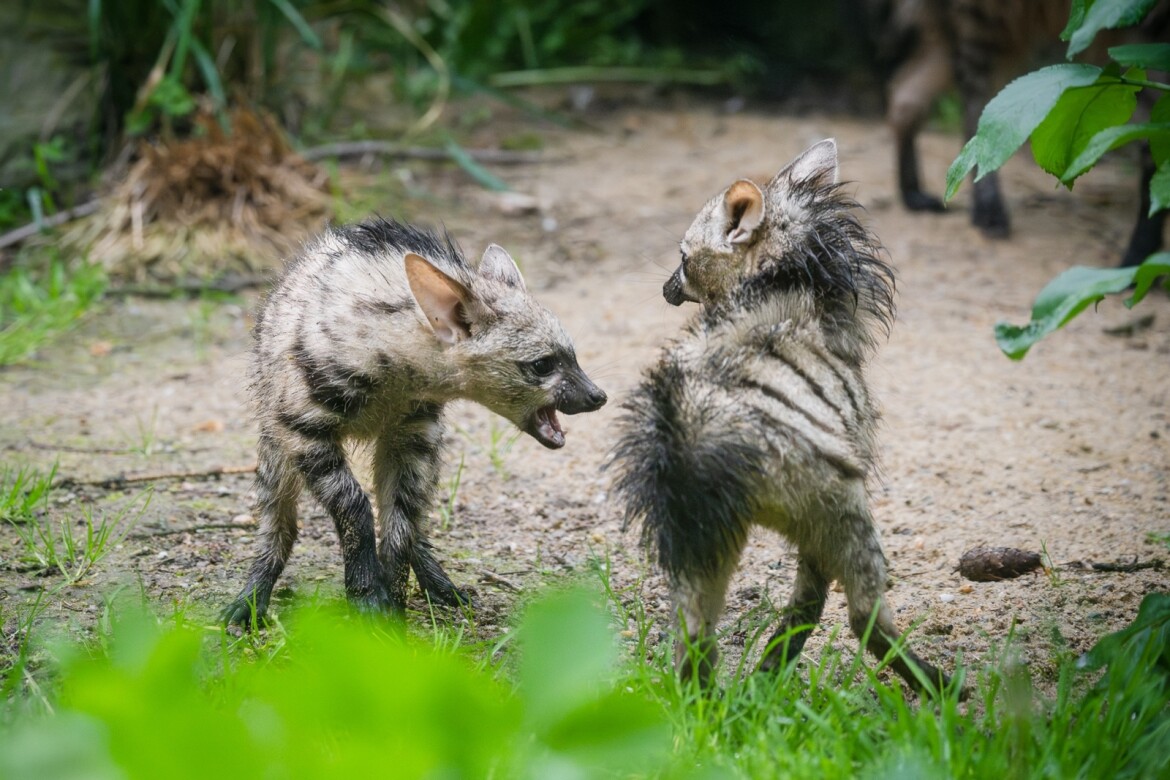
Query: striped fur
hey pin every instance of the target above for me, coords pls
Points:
(371, 330)
(759, 414)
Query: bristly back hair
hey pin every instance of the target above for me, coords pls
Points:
(840, 262)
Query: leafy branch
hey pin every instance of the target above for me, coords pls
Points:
(1075, 113)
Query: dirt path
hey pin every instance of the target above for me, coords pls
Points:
(1067, 450)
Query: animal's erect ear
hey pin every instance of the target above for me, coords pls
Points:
(743, 204)
(442, 299)
(498, 264)
(817, 164)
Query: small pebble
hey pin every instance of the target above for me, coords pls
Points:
(946, 598)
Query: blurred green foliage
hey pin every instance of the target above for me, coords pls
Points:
(34, 307)
(1073, 114)
(340, 696)
(327, 694)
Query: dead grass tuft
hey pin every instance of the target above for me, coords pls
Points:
(203, 206)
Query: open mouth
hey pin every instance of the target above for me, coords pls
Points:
(546, 428)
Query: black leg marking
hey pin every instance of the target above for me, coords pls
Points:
(277, 488)
(1146, 238)
(861, 569)
(332, 483)
(406, 470)
(914, 198)
(809, 592)
(434, 580)
(988, 212)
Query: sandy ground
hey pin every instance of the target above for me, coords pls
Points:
(1066, 451)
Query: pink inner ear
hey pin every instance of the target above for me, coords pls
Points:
(745, 210)
(441, 298)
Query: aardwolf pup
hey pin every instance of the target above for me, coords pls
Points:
(759, 413)
(370, 331)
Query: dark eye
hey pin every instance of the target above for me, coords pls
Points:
(543, 366)
(684, 260)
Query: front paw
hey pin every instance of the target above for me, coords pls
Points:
(244, 614)
(448, 595)
(376, 599)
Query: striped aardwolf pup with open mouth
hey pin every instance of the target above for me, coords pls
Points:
(759, 414)
(371, 330)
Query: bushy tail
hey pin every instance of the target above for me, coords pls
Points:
(686, 469)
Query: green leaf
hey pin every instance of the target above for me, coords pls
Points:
(617, 731)
(1151, 56)
(1079, 115)
(1160, 189)
(1155, 266)
(1111, 138)
(1076, 17)
(1012, 115)
(1072, 292)
(1152, 623)
(1106, 15)
(567, 654)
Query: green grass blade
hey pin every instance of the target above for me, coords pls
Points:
(482, 175)
(296, 20)
(206, 64)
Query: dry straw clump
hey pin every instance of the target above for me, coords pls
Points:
(215, 203)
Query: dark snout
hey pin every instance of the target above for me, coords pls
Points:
(673, 291)
(579, 394)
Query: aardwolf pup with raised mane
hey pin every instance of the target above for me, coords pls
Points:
(759, 413)
(372, 329)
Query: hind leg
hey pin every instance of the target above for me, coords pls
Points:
(1146, 238)
(277, 488)
(699, 598)
(862, 572)
(975, 56)
(913, 90)
(809, 592)
(406, 469)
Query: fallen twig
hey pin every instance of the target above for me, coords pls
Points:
(121, 480)
(390, 149)
(231, 283)
(190, 529)
(40, 445)
(1153, 563)
(495, 579)
(60, 218)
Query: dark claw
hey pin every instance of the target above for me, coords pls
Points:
(240, 613)
(376, 600)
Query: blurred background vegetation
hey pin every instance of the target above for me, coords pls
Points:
(82, 80)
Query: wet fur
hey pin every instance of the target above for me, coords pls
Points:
(759, 414)
(369, 332)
